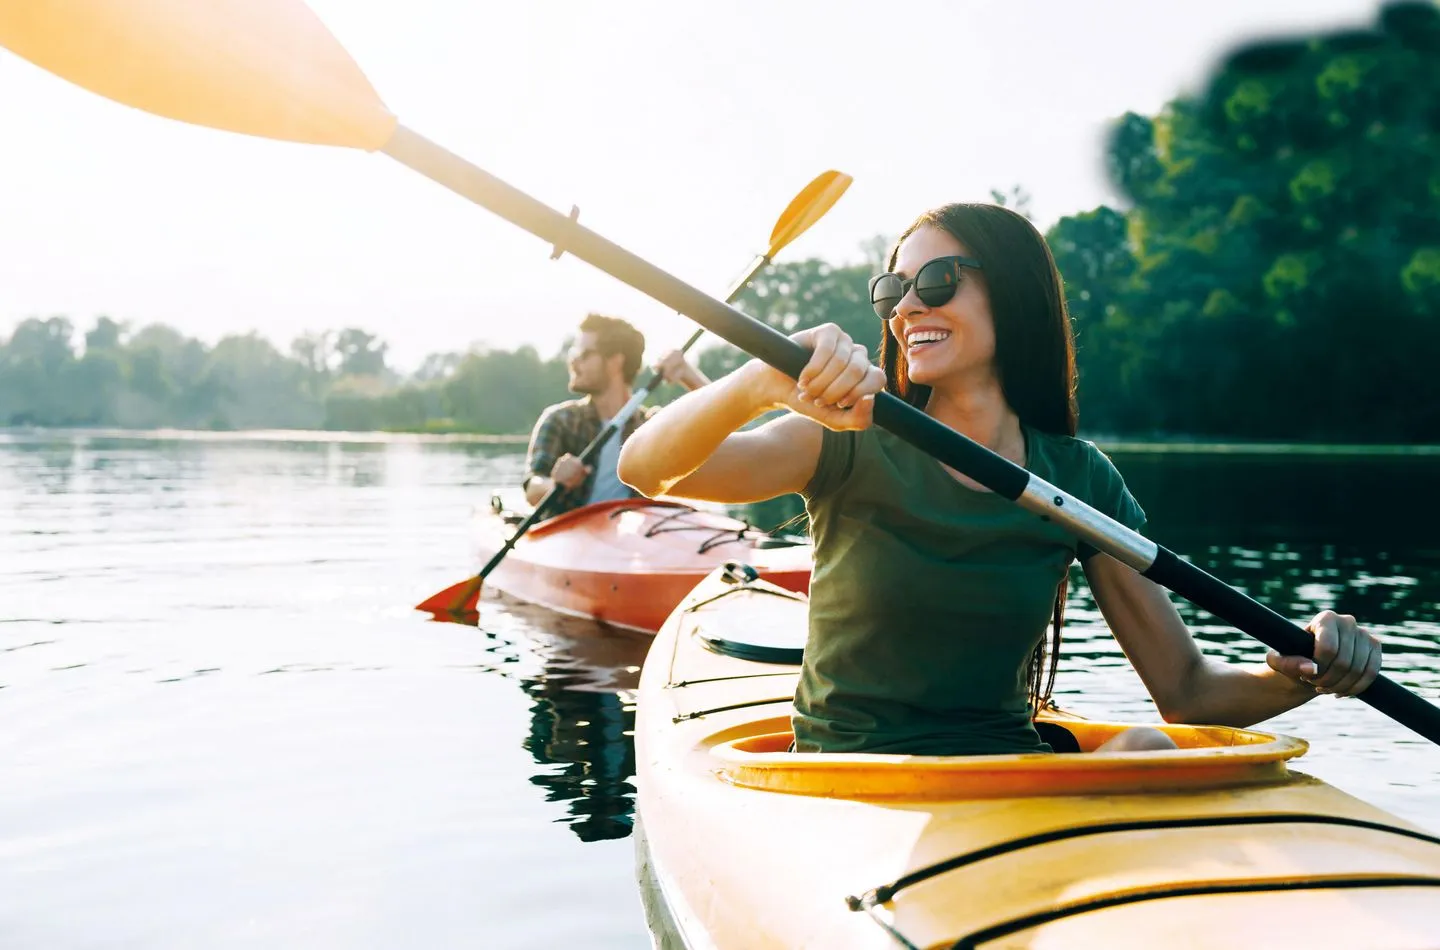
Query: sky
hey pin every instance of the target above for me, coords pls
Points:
(680, 130)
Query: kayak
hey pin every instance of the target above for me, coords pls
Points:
(628, 563)
(1219, 843)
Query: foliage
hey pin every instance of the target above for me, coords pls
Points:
(158, 377)
(1278, 272)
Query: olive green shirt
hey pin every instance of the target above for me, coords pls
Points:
(928, 597)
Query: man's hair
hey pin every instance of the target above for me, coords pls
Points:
(613, 335)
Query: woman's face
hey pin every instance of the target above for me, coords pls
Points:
(951, 344)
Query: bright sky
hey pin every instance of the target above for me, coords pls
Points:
(681, 130)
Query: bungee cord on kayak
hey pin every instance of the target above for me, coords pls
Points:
(677, 521)
(885, 893)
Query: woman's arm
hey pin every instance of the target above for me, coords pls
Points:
(1188, 687)
(692, 449)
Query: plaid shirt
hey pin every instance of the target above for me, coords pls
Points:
(568, 427)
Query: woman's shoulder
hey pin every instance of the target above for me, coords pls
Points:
(1066, 452)
(1081, 468)
(1072, 463)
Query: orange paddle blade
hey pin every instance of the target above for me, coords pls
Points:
(447, 605)
(808, 207)
(262, 67)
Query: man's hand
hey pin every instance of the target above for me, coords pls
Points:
(675, 368)
(569, 471)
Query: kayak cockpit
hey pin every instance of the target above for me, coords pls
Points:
(1208, 757)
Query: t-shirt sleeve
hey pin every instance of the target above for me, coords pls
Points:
(1110, 496)
(837, 458)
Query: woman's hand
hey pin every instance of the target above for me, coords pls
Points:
(837, 387)
(1347, 656)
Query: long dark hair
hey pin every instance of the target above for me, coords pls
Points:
(1034, 353)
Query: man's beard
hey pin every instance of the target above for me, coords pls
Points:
(582, 388)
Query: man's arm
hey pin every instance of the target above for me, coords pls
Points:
(549, 463)
(545, 450)
(680, 371)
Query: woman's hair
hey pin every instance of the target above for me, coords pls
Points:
(1034, 351)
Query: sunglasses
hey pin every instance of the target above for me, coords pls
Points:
(935, 283)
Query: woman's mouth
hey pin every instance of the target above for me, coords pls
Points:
(917, 340)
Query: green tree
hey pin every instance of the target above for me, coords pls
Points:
(105, 335)
(257, 387)
(1282, 242)
(359, 353)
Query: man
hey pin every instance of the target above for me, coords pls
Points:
(603, 363)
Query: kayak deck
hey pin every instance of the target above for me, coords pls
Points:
(1216, 844)
(628, 563)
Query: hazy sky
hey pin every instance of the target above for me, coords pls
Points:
(680, 129)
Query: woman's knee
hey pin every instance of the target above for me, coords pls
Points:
(1138, 739)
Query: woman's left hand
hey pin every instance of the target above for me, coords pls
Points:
(1347, 656)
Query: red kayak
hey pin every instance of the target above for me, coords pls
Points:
(629, 563)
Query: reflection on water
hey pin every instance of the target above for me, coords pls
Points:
(166, 788)
(581, 678)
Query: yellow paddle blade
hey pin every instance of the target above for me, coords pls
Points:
(262, 67)
(808, 207)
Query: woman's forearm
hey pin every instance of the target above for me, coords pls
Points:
(679, 438)
(1225, 694)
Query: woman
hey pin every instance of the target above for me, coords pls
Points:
(931, 595)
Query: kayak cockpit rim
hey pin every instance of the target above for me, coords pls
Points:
(756, 755)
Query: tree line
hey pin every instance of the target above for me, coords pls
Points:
(156, 376)
(1274, 273)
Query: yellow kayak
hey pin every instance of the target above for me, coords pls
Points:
(1220, 843)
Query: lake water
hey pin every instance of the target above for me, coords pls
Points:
(224, 725)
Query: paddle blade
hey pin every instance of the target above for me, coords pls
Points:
(458, 603)
(808, 207)
(262, 67)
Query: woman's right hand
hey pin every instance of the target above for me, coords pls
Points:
(836, 388)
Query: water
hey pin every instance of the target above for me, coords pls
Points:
(225, 727)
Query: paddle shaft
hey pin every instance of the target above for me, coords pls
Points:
(963, 454)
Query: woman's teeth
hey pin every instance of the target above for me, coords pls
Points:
(923, 337)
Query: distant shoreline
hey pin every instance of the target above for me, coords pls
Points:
(25, 433)
(1117, 445)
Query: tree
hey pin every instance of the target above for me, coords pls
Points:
(106, 335)
(1282, 238)
(359, 353)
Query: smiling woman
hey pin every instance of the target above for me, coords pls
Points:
(931, 594)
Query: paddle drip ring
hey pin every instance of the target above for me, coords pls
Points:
(558, 248)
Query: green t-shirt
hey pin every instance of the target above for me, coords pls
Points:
(928, 597)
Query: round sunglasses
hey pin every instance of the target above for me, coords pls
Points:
(935, 283)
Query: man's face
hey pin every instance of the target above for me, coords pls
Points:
(587, 366)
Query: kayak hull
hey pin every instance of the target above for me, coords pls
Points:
(629, 563)
(1219, 843)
